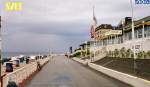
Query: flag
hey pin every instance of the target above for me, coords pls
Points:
(94, 18)
(93, 25)
(92, 31)
(94, 21)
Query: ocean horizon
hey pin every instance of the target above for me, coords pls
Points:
(11, 54)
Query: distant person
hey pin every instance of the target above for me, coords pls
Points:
(52, 57)
(12, 84)
(38, 65)
(27, 61)
(66, 55)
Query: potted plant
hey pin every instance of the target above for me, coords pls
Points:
(116, 53)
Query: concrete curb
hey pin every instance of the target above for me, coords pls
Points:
(84, 62)
(126, 78)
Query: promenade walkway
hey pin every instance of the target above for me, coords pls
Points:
(64, 72)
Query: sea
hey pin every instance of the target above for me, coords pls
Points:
(11, 54)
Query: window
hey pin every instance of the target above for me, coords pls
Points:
(139, 33)
(147, 31)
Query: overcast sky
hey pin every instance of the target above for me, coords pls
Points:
(55, 25)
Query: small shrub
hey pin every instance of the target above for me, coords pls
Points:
(78, 54)
(116, 53)
(128, 53)
(148, 54)
(141, 55)
(123, 52)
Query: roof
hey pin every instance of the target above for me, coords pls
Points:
(88, 43)
(138, 22)
(104, 26)
(144, 19)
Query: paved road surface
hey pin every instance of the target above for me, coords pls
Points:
(63, 72)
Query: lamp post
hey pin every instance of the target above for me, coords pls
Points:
(81, 52)
(142, 34)
(86, 48)
(90, 50)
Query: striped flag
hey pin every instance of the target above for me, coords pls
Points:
(92, 32)
(94, 18)
(93, 25)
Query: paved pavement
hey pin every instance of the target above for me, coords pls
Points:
(63, 72)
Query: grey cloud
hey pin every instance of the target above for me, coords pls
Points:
(72, 29)
(57, 24)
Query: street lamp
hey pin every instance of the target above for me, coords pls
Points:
(92, 50)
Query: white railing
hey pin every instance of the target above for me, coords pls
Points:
(23, 73)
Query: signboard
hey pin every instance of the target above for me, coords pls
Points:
(137, 48)
(114, 32)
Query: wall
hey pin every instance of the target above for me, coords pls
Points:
(134, 81)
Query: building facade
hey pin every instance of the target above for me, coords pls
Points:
(116, 37)
(106, 34)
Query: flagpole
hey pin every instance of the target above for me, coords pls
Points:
(95, 23)
(142, 34)
(134, 56)
(93, 34)
(132, 27)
